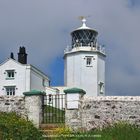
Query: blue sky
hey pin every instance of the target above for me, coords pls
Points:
(135, 2)
(44, 26)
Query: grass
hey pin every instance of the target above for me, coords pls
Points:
(118, 131)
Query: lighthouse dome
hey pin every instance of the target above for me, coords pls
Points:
(84, 36)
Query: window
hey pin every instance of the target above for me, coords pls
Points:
(10, 74)
(101, 85)
(43, 82)
(10, 90)
(50, 98)
(89, 61)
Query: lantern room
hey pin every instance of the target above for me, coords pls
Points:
(84, 36)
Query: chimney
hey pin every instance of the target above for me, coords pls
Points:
(22, 56)
(12, 55)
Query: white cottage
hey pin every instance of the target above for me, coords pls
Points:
(17, 77)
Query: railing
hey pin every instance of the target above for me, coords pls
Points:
(89, 47)
(54, 108)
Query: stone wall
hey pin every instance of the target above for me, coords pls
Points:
(13, 104)
(33, 105)
(28, 106)
(98, 112)
(91, 112)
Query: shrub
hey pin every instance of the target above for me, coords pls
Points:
(63, 130)
(13, 127)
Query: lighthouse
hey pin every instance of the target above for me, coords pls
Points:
(84, 62)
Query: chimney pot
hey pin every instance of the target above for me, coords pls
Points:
(12, 55)
(22, 56)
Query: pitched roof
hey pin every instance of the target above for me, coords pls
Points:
(9, 59)
(31, 66)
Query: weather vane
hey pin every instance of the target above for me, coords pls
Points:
(83, 19)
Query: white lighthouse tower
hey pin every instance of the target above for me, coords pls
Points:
(84, 62)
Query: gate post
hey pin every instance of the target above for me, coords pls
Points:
(33, 103)
(73, 118)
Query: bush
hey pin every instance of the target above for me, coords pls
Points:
(63, 131)
(13, 127)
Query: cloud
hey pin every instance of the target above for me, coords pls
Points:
(43, 26)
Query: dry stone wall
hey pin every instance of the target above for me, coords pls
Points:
(28, 106)
(13, 104)
(101, 111)
(92, 112)
(98, 112)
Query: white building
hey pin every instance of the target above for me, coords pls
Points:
(17, 77)
(84, 62)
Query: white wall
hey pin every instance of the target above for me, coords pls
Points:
(51, 90)
(61, 89)
(101, 73)
(26, 78)
(78, 74)
(20, 77)
(38, 81)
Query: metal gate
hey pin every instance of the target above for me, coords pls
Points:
(54, 108)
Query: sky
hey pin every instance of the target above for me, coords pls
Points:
(44, 27)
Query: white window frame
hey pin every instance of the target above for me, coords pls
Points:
(10, 74)
(10, 90)
(89, 61)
